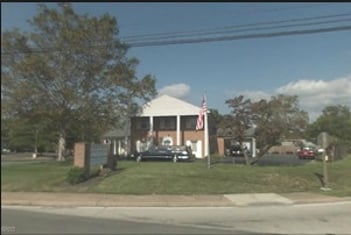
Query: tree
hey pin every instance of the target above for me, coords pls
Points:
(335, 120)
(274, 119)
(217, 117)
(72, 72)
(22, 134)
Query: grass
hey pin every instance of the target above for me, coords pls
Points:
(181, 178)
(33, 177)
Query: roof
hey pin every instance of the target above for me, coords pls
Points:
(165, 105)
(117, 133)
(227, 132)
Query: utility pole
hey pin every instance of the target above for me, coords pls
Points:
(324, 137)
(206, 136)
(207, 152)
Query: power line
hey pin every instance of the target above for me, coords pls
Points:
(185, 33)
(296, 7)
(212, 39)
(247, 29)
(160, 41)
(239, 37)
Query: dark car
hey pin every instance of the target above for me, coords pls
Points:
(235, 151)
(173, 153)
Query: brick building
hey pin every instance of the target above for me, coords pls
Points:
(170, 121)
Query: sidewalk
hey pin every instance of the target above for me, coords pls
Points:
(112, 200)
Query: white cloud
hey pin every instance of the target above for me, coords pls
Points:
(315, 95)
(179, 90)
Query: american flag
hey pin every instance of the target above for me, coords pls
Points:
(200, 118)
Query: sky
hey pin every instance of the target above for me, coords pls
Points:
(316, 67)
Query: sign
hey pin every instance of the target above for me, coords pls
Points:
(98, 154)
(323, 140)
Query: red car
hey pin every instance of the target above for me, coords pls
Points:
(306, 153)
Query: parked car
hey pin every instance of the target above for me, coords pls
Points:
(235, 151)
(174, 153)
(182, 152)
(306, 153)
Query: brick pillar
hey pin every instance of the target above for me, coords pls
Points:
(220, 143)
(81, 155)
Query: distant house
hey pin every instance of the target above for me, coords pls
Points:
(225, 138)
(170, 121)
(119, 139)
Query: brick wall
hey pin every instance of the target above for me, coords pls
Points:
(81, 155)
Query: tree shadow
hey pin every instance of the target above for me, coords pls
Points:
(320, 178)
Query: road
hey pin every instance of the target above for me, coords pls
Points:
(327, 218)
(16, 221)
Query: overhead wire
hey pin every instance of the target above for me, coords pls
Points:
(221, 33)
(219, 29)
(245, 30)
(239, 37)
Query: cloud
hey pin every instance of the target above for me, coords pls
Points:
(179, 90)
(315, 95)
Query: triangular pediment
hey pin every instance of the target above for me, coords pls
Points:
(166, 105)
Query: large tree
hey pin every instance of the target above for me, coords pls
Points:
(72, 72)
(335, 120)
(274, 119)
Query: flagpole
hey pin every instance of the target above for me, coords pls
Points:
(206, 137)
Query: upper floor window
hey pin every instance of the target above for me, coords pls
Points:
(167, 123)
(190, 122)
(143, 123)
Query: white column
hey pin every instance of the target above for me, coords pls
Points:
(178, 129)
(253, 147)
(119, 147)
(151, 129)
(114, 147)
(150, 134)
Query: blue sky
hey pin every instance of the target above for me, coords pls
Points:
(316, 67)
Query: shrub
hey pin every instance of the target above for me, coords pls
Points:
(76, 175)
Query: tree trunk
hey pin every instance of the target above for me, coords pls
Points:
(247, 160)
(35, 154)
(263, 151)
(61, 148)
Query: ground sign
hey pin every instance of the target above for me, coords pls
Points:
(98, 154)
(90, 155)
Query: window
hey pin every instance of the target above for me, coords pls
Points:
(143, 123)
(190, 123)
(168, 123)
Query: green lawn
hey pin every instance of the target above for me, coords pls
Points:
(181, 178)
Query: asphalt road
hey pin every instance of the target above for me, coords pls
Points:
(16, 221)
(324, 218)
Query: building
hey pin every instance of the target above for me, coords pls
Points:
(226, 138)
(170, 121)
(119, 139)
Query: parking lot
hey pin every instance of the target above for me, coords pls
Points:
(267, 160)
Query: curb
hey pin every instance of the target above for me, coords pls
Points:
(104, 200)
(112, 200)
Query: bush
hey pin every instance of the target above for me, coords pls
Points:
(76, 175)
